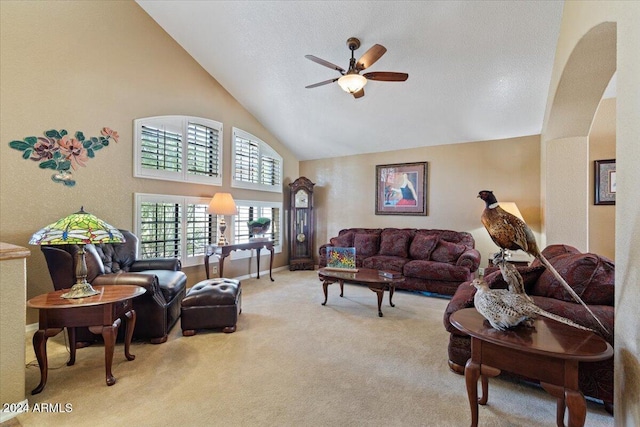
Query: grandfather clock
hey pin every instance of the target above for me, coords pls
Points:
(301, 225)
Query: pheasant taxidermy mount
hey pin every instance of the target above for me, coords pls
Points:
(505, 309)
(511, 233)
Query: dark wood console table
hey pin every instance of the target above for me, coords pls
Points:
(223, 251)
(549, 352)
(101, 313)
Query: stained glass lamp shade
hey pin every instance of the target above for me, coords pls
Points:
(80, 228)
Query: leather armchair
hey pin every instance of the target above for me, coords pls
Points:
(157, 310)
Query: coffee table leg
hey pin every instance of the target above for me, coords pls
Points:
(380, 294)
(325, 285)
(471, 375)
(341, 288)
(391, 291)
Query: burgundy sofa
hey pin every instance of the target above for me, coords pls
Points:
(590, 275)
(430, 260)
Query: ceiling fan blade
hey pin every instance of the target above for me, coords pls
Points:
(370, 56)
(326, 82)
(359, 94)
(325, 63)
(386, 76)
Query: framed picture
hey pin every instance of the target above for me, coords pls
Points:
(605, 182)
(401, 189)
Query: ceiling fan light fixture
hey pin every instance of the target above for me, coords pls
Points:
(352, 83)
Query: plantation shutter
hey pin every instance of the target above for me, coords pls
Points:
(203, 150)
(160, 149)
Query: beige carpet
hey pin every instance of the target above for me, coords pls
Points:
(292, 362)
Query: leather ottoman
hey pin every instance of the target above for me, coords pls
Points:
(211, 304)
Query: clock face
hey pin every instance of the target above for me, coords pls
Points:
(302, 199)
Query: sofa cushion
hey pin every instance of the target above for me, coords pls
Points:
(343, 241)
(553, 251)
(395, 242)
(171, 283)
(422, 245)
(366, 244)
(385, 262)
(447, 252)
(591, 276)
(432, 270)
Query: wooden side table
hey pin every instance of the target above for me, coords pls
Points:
(101, 313)
(549, 352)
(223, 251)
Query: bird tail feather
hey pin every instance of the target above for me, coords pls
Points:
(561, 319)
(569, 289)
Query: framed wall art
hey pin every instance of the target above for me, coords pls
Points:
(401, 189)
(605, 182)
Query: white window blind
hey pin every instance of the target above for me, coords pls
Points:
(178, 148)
(256, 165)
(174, 226)
(251, 210)
(203, 157)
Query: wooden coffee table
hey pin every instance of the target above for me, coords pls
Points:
(549, 352)
(364, 276)
(101, 313)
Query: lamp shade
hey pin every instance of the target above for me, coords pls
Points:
(352, 83)
(512, 208)
(222, 204)
(78, 228)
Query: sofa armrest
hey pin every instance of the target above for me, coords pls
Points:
(322, 251)
(470, 259)
(172, 264)
(463, 298)
(147, 281)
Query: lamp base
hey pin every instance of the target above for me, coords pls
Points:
(80, 290)
(222, 240)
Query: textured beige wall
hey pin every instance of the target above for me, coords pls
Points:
(567, 170)
(602, 146)
(13, 291)
(84, 65)
(345, 187)
(579, 17)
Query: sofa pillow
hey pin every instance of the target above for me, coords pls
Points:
(366, 244)
(447, 252)
(422, 245)
(395, 244)
(345, 240)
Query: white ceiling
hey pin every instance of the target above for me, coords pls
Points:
(478, 70)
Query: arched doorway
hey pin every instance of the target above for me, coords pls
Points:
(567, 187)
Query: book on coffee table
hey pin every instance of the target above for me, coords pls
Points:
(390, 274)
(341, 259)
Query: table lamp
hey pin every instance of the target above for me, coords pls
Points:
(222, 204)
(80, 228)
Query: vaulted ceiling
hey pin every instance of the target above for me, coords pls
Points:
(478, 70)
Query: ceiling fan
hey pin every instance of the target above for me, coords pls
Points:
(352, 81)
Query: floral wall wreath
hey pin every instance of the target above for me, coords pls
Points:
(61, 152)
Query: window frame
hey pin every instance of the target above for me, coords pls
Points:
(176, 123)
(277, 246)
(184, 201)
(264, 150)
